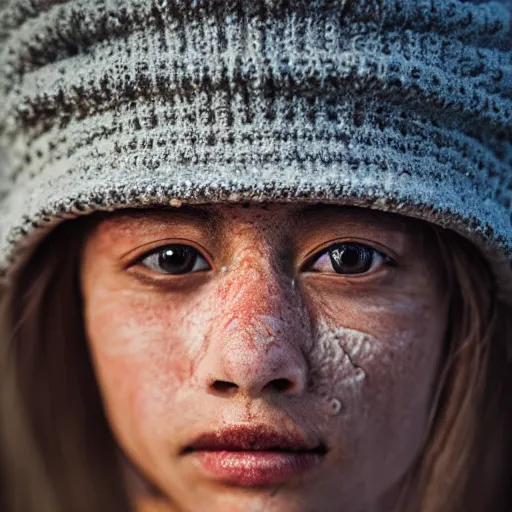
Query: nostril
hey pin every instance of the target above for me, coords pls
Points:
(281, 385)
(223, 386)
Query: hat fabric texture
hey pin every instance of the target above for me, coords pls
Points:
(397, 105)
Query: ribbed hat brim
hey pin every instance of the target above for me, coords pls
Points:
(397, 105)
(349, 176)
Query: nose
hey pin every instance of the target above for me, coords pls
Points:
(256, 343)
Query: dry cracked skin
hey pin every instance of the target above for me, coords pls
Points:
(266, 333)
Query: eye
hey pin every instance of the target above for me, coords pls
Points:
(175, 259)
(349, 259)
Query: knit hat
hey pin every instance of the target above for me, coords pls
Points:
(398, 105)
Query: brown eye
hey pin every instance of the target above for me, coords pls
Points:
(175, 259)
(349, 259)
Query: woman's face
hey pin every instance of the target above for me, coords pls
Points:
(280, 358)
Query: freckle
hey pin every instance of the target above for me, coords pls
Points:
(255, 275)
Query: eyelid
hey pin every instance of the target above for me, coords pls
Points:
(386, 267)
(384, 261)
(198, 256)
(390, 255)
(135, 256)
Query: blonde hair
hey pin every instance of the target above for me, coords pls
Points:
(466, 462)
(58, 453)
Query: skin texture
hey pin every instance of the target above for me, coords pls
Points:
(359, 355)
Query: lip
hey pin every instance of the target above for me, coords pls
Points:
(253, 456)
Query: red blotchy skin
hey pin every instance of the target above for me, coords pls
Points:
(250, 293)
(260, 340)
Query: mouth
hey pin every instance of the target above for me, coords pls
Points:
(254, 456)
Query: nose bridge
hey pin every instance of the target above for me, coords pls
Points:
(261, 307)
(257, 294)
(258, 338)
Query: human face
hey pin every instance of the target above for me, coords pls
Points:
(266, 358)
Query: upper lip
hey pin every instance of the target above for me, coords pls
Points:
(253, 438)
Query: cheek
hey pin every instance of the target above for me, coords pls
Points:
(374, 365)
(144, 349)
(345, 361)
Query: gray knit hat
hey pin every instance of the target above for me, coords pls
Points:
(400, 105)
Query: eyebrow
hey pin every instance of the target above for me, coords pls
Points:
(207, 216)
(192, 212)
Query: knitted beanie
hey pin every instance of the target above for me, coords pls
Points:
(396, 105)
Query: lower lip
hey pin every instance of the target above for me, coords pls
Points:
(255, 468)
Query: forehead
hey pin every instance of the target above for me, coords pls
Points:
(286, 216)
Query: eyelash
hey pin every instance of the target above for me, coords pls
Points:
(194, 261)
(176, 250)
(337, 251)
